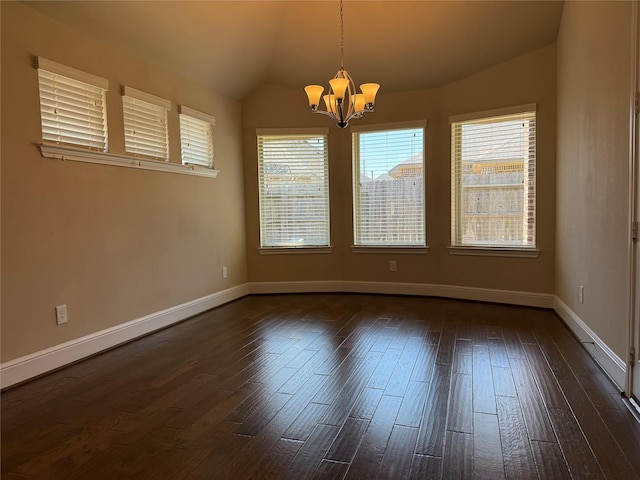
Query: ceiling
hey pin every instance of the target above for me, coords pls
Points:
(235, 46)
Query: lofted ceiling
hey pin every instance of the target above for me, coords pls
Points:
(235, 46)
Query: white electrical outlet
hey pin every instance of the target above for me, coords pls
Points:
(224, 272)
(393, 266)
(581, 294)
(61, 314)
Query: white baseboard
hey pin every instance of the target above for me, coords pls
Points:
(30, 366)
(529, 299)
(33, 365)
(613, 365)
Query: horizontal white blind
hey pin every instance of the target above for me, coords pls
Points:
(389, 187)
(145, 128)
(493, 181)
(293, 175)
(196, 139)
(72, 112)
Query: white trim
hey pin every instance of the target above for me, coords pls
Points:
(613, 365)
(399, 249)
(530, 299)
(69, 72)
(205, 117)
(265, 132)
(146, 97)
(62, 152)
(634, 146)
(389, 126)
(498, 112)
(29, 366)
(290, 250)
(519, 252)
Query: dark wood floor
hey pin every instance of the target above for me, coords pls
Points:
(330, 386)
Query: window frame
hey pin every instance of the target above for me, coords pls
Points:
(192, 116)
(147, 101)
(91, 85)
(457, 246)
(283, 248)
(381, 128)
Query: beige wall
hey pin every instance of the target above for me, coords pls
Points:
(594, 74)
(112, 243)
(527, 79)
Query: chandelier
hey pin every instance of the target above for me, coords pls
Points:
(342, 102)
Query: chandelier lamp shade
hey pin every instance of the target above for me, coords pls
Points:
(343, 102)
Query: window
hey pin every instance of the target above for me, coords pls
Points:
(72, 106)
(145, 124)
(196, 137)
(388, 186)
(293, 175)
(493, 158)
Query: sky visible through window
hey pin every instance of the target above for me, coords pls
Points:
(381, 151)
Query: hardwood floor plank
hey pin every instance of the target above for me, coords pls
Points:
(550, 461)
(308, 458)
(274, 464)
(463, 364)
(400, 377)
(263, 414)
(347, 396)
(330, 470)
(261, 395)
(366, 404)
(537, 417)
(203, 431)
(487, 452)
(348, 440)
(577, 453)
(545, 378)
(396, 461)
(460, 417)
(369, 455)
(516, 450)
(426, 467)
(348, 371)
(410, 413)
(604, 445)
(512, 342)
(431, 435)
(483, 393)
(458, 456)
(447, 344)
(498, 353)
(303, 425)
(503, 384)
(381, 375)
(423, 369)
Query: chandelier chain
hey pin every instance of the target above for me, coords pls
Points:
(341, 37)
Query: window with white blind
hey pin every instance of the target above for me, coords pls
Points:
(493, 177)
(145, 124)
(388, 186)
(72, 106)
(196, 137)
(293, 176)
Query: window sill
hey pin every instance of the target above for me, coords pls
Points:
(290, 250)
(519, 252)
(389, 249)
(78, 155)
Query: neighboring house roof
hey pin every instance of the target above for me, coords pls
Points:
(412, 162)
